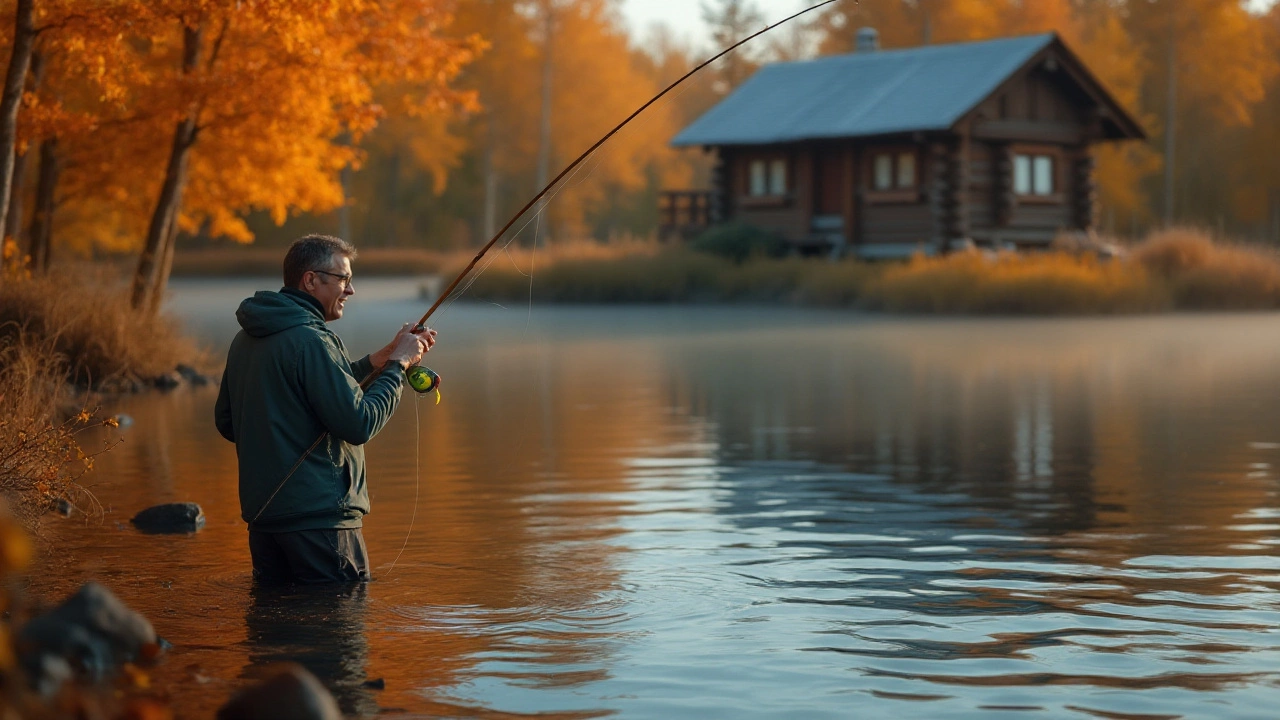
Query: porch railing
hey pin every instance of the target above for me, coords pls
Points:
(682, 214)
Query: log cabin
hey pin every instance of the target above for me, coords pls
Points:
(886, 153)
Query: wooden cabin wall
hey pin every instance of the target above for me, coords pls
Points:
(787, 215)
(905, 217)
(982, 191)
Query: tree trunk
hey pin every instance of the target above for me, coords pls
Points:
(42, 218)
(24, 38)
(17, 195)
(13, 220)
(544, 126)
(1170, 120)
(163, 269)
(169, 203)
(490, 220)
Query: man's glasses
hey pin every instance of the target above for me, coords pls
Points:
(345, 280)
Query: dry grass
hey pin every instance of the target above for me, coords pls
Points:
(1025, 283)
(58, 332)
(1206, 275)
(78, 320)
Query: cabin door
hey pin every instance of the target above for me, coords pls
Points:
(830, 189)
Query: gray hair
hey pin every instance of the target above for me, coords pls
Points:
(313, 252)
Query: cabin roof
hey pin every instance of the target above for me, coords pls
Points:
(878, 92)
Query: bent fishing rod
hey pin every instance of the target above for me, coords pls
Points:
(583, 157)
(425, 380)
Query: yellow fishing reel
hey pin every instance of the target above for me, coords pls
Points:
(424, 380)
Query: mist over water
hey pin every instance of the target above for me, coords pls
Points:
(748, 512)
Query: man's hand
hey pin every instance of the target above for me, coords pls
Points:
(408, 350)
(408, 346)
(383, 356)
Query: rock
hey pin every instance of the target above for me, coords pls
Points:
(288, 693)
(167, 381)
(92, 631)
(192, 376)
(183, 517)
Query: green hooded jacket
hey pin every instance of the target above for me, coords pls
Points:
(288, 381)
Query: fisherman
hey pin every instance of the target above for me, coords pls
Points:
(289, 381)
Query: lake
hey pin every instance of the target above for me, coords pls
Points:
(746, 512)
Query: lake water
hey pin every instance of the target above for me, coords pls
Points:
(748, 513)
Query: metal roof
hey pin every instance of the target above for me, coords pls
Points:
(865, 93)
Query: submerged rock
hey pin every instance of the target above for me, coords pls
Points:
(92, 631)
(167, 381)
(183, 517)
(193, 376)
(290, 693)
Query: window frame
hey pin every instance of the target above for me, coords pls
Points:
(770, 169)
(1033, 155)
(896, 192)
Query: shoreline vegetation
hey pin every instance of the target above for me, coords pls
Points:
(1171, 270)
(1180, 269)
(66, 337)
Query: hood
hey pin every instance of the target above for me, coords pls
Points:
(267, 313)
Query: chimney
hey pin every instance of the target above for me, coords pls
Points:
(868, 39)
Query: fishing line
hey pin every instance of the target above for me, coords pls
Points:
(417, 477)
(555, 185)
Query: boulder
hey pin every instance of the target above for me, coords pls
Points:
(183, 517)
(288, 693)
(192, 376)
(167, 381)
(91, 632)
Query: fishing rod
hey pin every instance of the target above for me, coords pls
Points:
(423, 379)
(581, 158)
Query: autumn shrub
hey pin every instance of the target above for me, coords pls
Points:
(1015, 283)
(41, 458)
(739, 241)
(1206, 275)
(78, 321)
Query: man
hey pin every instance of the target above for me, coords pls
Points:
(290, 381)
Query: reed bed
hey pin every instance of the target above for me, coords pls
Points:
(1179, 269)
(1016, 283)
(1204, 274)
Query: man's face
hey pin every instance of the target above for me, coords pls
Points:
(331, 286)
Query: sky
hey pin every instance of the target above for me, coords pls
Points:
(685, 16)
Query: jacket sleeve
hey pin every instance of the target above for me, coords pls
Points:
(222, 411)
(347, 412)
(362, 367)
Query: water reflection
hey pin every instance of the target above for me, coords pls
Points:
(323, 629)
(755, 513)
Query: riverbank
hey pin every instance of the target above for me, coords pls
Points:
(1170, 270)
(63, 338)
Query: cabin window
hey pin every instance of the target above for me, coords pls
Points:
(1033, 174)
(906, 170)
(778, 177)
(884, 172)
(894, 171)
(767, 178)
(759, 179)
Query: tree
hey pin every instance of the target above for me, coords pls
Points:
(729, 22)
(24, 37)
(278, 89)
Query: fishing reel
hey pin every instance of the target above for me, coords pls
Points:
(424, 380)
